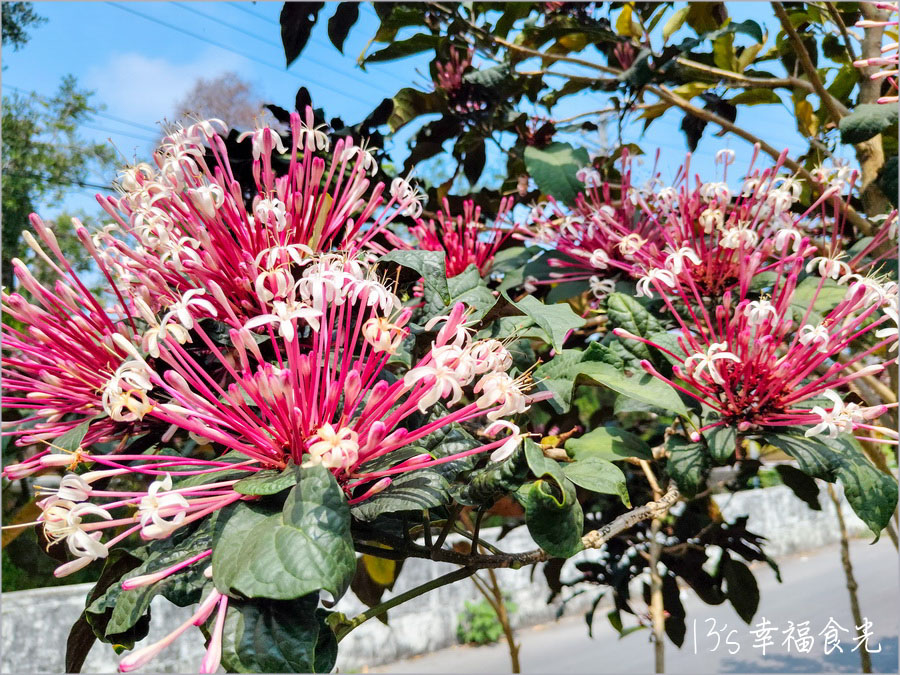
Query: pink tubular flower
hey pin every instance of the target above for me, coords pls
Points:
(183, 224)
(888, 61)
(603, 237)
(464, 238)
(756, 363)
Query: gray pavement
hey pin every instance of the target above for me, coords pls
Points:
(813, 590)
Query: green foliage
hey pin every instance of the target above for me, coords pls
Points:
(17, 17)
(866, 121)
(478, 623)
(553, 169)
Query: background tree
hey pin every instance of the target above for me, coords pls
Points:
(227, 97)
(43, 157)
(16, 18)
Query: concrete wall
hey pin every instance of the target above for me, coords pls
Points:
(35, 624)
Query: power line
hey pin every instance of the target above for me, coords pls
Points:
(268, 42)
(59, 181)
(179, 29)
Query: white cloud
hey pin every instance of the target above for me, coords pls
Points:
(145, 89)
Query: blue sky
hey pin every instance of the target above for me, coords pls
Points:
(142, 57)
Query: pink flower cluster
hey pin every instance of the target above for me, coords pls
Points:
(253, 324)
(890, 53)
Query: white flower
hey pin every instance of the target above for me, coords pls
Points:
(490, 355)
(817, 335)
(273, 208)
(757, 311)
(284, 313)
(631, 244)
(735, 237)
(334, 449)
(445, 384)
(699, 362)
(839, 419)
(127, 391)
(828, 267)
(711, 219)
(262, 137)
(383, 335)
(715, 191)
(298, 253)
(589, 176)
(889, 331)
(309, 138)
(154, 508)
(409, 196)
(675, 259)
(725, 157)
(787, 235)
(62, 520)
(599, 259)
(73, 488)
(667, 198)
(513, 442)
(366, 159)
(644, 287)
(208, 199)
(601, 287)
(500, 388)
(206, 128)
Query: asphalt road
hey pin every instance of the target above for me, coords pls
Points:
(813, 589)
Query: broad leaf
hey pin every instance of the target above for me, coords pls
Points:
(269, 636)
(268, 482)
(297, 20)
(871, 493)
(410, 103)
(401, 48)
(803, 486)
(867, 120)
(429, 264)
(554, 167)
(639, 386)
(341, 22)
(261, 553)
(556, 320)
(71, 440)
(688, 465)
(741, 588)
(598, 475)
(609, 443)
(414, 491)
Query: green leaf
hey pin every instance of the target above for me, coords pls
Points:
(598, 475)
(402, 48)
(557, 320)
(297, 20)
(485, 486)
(410, 103)
(688, 465)
(887, 179)
(721, 442)
(341, 22)
(675, 22)
(554, 167)
(639, 386)
(609, 443)
(802, 485)
(267, 636)
(430, 264)
(553, 515)
(261, 553)
(866, 121)
(71, 440)
(558, 376)
(755, 97)
(467, 287)
(741, 589)
(626, 312)
(267, 482)
(414, 491)
(828, 297)
(871, 493)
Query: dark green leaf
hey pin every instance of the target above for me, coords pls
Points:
(887, 179)
(598, 475)
(721, 441)
(741, 588)
(268, 636)
(414, 491)
(268, 482)
(688, 465)
(802, 485)
(409, 103)
(401, 48)
(485, 486)
(429, 264)
(866, 121)
(871, 493)
(341, 22)
(261, 553)
(609, 443)
(297, 20)
(639, 386)
(553, 515)
(554, 167)
(71, 440)
(556, 320)
(755, 97)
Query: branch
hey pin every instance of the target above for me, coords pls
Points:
(343, 625)
(762, 82)
(835, 108)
